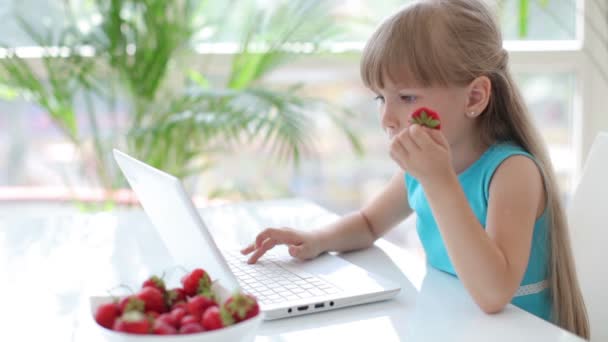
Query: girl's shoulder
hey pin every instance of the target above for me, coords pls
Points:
(497, 153)
(496, 156)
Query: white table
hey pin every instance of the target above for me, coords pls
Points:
(58, 260)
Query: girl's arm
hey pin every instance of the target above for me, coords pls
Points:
(354, 231)
(360, 229)
(491, 263)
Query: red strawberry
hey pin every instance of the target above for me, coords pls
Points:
(216, 318)
(153, 299)
(106, 314)
(191, 328)
(167, 319)
(176, 315)
(152, 314)
(175, 295)
(198, 304)
(131, 303)
(187, 320)
(196, 282)
(426, 117)
(156, 283)
(182, 305)
(162, 328)
(242, 306)
(132, 322)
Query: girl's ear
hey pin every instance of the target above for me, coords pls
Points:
(479, 93)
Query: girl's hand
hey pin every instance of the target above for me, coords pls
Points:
(302, 245)
(422, 152)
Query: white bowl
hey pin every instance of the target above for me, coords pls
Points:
(241, 332)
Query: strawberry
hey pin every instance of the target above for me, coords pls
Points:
(187, 320)
(175, 295)
(156, 283)
(216, 318)
(182, 305)
(242, 306)
(195, 282)
(425, 117)
(162, 328)
(167, 319)
(153, 299)
(152, 314)
(198, 304)
(106, 314)
(131, 303)
(191, 328)
(176, 316)
(132, 322)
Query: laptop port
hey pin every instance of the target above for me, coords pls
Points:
(303, 308)
(319, 305)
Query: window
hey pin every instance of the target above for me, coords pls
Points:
(550, 66)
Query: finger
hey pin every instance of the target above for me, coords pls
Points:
(407, 142)
(438, 137)
(283, 235)
(295, 251)
(422, 137)
(399, 160)
(248, 249)
(300, 252)
(265, 246)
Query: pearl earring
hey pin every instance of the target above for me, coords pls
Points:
(472, 114)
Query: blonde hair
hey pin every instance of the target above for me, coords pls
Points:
(452, 42)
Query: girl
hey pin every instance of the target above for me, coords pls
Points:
(482, 186)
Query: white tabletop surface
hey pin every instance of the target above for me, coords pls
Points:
(52, 260)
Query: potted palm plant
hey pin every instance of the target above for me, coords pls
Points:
(134, 80)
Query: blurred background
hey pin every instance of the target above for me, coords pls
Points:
(249, 99)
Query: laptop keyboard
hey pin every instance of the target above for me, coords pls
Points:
(271, 283)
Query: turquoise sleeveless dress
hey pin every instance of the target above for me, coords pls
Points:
(533, 294)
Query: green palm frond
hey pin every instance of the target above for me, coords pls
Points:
(181, 123)
(61, 79)
(275, 120)
(290, 22)
(140, 39)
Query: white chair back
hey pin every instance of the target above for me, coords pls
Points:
(588, 219)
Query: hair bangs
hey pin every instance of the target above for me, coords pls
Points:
(405, 49)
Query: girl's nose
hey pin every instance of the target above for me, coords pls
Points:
(390, 123)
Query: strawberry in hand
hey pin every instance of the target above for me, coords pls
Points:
(425, 117)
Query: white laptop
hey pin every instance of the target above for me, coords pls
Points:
(284, 286)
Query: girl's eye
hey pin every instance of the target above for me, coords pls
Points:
(408, 98)
(379, 99)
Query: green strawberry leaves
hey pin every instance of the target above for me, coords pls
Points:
(426, 117)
